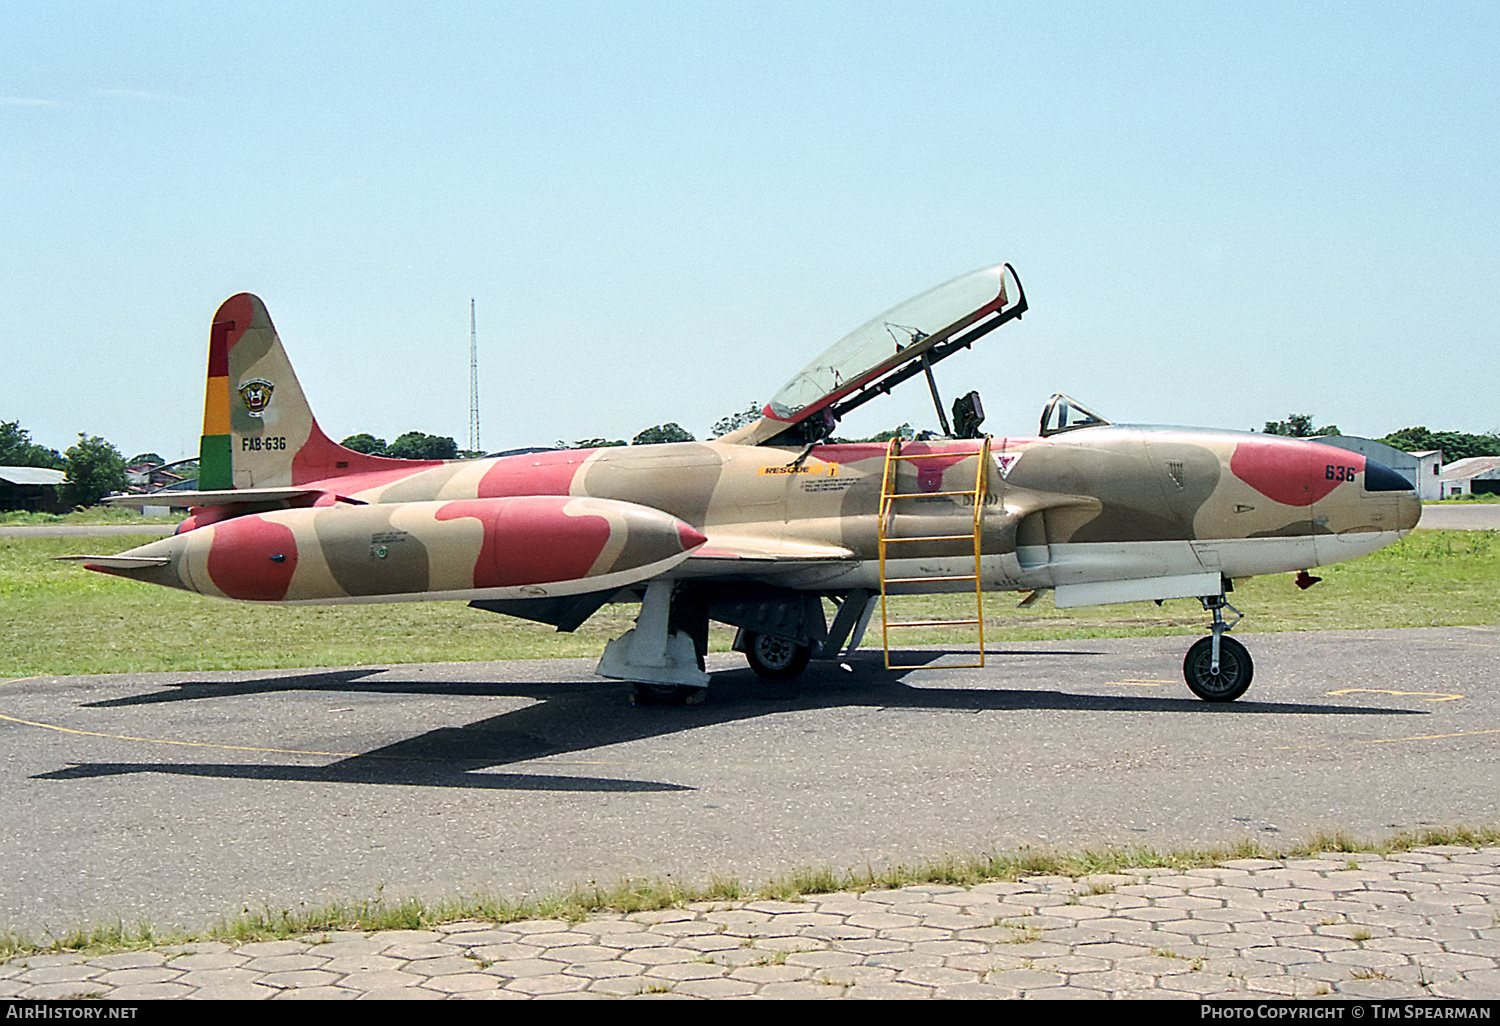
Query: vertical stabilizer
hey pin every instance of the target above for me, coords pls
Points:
(258, 430)
(255, 417)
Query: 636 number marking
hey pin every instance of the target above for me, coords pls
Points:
(1338, 473)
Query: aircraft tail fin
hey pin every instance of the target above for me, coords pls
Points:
(258, 430)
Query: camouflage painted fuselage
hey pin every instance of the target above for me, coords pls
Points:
(1101, 514)
(1102, 504)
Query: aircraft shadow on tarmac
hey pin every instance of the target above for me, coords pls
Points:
(583, 714)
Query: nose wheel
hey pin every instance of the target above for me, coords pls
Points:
(1218, 668)
(1224, 684)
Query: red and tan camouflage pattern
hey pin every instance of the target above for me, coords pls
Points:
(1100, 513)
(503, 548)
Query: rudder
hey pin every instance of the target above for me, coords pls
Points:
(258, 429)
(255, 417)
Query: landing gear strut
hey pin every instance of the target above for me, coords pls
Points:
(1218, 668)
(665, 665)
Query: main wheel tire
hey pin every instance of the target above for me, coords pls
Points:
(668, 694)
(1235, 669)
(775, 658)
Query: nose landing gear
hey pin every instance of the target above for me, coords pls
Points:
(1218, 668)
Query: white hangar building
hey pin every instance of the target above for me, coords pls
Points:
(1423, 469)
(1477, 475)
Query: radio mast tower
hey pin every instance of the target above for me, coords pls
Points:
(474, 445)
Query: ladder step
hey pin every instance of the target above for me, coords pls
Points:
(935, 666)
(916, 580)
(931, 623)
(932, 537)
(935, 455)
(890, 496)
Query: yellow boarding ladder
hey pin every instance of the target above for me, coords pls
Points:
(889, 496)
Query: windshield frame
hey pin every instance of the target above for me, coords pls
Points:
(937, 323)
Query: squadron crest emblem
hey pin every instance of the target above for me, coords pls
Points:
(256, 394)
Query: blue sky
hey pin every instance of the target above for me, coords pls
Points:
(1222, 213)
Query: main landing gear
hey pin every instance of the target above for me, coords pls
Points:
(1218, 668)
(780, 631)
(662, 655)
(775, 658)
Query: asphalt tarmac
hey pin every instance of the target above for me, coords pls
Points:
(181, 798)
(1481, 516)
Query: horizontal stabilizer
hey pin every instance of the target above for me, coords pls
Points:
(220, 497)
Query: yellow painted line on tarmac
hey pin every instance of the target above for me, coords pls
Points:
(249, 748)
(162, 741)
(17, 680)
(1433, 696)
(576, 762)
(1336, 636)
(1429, 737)
(1389, 740)
(1142, 683)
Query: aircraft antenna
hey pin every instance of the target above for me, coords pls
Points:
(474, 445)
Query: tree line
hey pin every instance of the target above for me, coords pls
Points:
(93, 466)
(1455, 445)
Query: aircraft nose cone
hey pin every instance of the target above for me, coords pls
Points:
(1382, 480)
(690, 536)
(1409, 513)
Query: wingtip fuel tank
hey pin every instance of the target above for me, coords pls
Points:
(533, 546)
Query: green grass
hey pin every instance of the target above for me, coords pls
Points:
(92, 515)
(61, 619)
(578, 903)
(1428, 579)
(1460, 500)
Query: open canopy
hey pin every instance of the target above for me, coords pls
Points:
(899, 343)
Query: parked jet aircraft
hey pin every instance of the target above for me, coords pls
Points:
(758, 528)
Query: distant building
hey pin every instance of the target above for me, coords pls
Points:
(1420, 468)
(152, 477)
(1429, 469)
(1477, 475)
(31, 488)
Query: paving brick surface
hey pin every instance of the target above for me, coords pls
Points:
(1424, 923)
